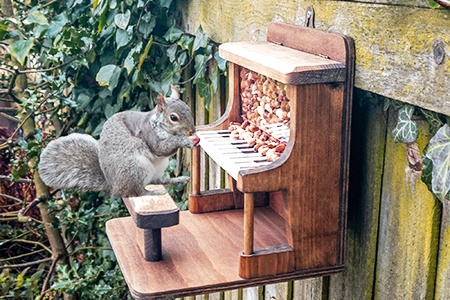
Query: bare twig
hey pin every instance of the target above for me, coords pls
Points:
(27, 264)
(32, 205)
(6, 70)
(8, 109)
(21, 180)
(12, 198)
(21, 255)
(49, 274)
(34, 243)
(12, 82)
(11, 118)
(48, 69)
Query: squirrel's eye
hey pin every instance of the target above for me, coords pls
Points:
(173, 117)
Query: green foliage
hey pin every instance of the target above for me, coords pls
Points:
(406, 130)
(436, 158)
(86, 60)
(438, 151)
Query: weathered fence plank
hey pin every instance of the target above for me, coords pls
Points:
(308, 289)
(366, 171)
(409, 226)
(443, 270)
(280, 291)
(398, 48)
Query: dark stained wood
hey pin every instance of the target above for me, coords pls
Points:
(304, 234)
(312, 173)
(150, 214)
(150, 243)
(213, 200)
(267, 261)
(200, 255)
(155, 211)
(309, 40)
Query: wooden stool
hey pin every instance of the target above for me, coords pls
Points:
(150, 214)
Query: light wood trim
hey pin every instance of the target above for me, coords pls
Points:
(196, 170)
(249, 207)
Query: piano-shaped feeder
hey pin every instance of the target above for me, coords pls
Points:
(283, 216)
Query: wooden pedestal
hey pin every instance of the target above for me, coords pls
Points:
(200, 255)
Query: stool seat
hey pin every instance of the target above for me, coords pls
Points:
(150, 213)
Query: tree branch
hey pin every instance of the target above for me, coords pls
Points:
(32, 242)
(11, 118)
(48, 69)
(27, 264)
(49, 274)
(21, 255)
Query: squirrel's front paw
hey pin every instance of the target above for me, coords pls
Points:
(195, 140)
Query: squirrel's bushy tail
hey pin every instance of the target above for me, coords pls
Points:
(71, 162)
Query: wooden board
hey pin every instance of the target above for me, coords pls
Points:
(201, 255)
(394, 43)
(366, 171)
(409, 227)
(282, 63)
(443, 269)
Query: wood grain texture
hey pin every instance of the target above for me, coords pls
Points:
(409, 227)
(282, 63)
(394, 43)
(318, 193)
(196, 260)
(443, 269)
(369, 131)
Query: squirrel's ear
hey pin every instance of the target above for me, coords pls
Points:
(160, 102)
(175, 93)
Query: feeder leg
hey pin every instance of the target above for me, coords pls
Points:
(249, 207)
(153, 245)
(196, 170)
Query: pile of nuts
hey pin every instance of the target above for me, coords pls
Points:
(264, 102)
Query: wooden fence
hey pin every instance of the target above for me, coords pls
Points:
(398, 238)
(398, 241)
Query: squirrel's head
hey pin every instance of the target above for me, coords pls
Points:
(175, 115)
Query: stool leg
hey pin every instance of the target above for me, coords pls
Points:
(153, 246)
(249, 207)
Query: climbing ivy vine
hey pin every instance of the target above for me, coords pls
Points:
(436, 158)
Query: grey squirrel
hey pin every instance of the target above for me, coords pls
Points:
(132, 152)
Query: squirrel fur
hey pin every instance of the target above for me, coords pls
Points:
(132, 152)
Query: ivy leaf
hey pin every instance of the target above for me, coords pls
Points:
(173, 34)
(165, 3)
(438, 151)
(215, 78)
(108, 76)
(433, 4)
(201, 40)
(122, 38)
(221, 63)
(36, 17)
(204, 91)
(57, 25)
(20, 49)
(406, 130)
(122, 20)
(432, 118)
(147, 24)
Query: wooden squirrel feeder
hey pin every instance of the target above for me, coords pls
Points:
(280, 220)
